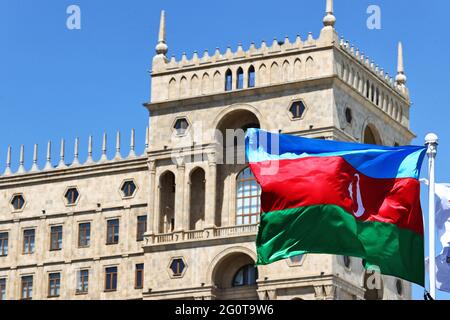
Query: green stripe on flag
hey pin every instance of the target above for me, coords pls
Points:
(330, 229)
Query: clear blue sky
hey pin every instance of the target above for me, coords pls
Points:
(56, 83)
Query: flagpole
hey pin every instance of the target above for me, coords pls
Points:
(431, 141)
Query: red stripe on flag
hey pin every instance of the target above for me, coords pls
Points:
(332, 180)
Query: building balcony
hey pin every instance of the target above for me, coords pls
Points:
(240, 233)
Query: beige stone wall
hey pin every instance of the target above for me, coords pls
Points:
(100, 199)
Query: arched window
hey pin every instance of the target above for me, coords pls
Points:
(251, 77)
(246, 276)
(228, 80)
(240, 79)
(248, 194)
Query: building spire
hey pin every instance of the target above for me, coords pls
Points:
(8, 163)
(76, 160)
(329, 20)
(48, 163)
(35, 167)
(161, 47)
(22, 160)
(401, 77)
(118, 155)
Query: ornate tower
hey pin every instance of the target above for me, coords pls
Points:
(205, 209)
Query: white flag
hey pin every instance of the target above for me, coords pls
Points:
(442, 191)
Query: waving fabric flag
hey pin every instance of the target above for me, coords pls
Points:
(442, 191)
(339, 198)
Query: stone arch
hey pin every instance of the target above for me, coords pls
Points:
(371, 135)
(239, 119)
(197, 198)
(274, 73)
(232, 155)
(297, 69)
(166, 202)
(262, 75)
(309, 67)
(173, 91)
(195, 85)
(217, 82)
(224, 258)
(184, 88)
(235, 108)
(286, 71)
(206, 84)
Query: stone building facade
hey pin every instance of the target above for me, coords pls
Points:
(179, 223)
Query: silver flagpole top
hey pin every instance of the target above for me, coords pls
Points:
(431, 138)
(431, 141)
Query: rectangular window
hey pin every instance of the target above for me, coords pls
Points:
(112, 232)
(83, 282)
(3, 244)
(54, 283)
(27, 288)
(111, 279)
(141, 227)
(56, 234)
(84, 235)
(139, 276)
(28, 241)
(2, 289)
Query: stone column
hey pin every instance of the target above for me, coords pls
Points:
(156, 213)
(187, 205)
(151, 199)
(210, 196)
(179, 194)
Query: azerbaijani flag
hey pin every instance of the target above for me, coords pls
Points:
(339, 198)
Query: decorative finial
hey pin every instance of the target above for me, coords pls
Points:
(329, 19)
(34, 167)
(8, 162)
(132, 145)
(76, 161)
(104, 158)
(118, 155)
(89, 159)
(161, 47)
(21, 160)
(62, 163)
(48, 163)
(401, 77)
